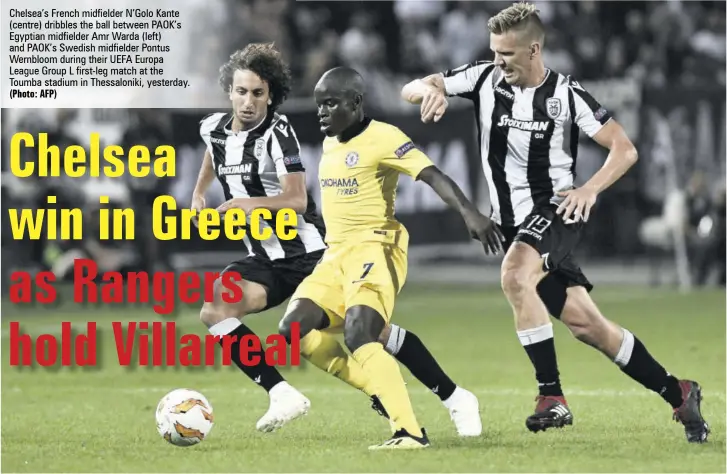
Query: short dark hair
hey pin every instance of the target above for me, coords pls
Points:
(264, 60)
(519, 16)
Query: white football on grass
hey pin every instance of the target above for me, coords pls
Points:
(184, 417)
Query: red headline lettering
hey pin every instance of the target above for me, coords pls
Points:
(163, 347)
(110, 287)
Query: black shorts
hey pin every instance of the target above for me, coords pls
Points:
(545, 231)
(280, 277)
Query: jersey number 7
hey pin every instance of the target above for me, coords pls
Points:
(367, 269)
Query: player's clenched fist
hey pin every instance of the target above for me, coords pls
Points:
(485, 230)
(434, 104)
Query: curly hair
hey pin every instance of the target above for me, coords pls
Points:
(518, 16)
(265, 61)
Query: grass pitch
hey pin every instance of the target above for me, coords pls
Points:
(71, 420)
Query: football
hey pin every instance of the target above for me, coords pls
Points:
(184, 417)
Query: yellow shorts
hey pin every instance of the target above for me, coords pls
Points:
(368, 273)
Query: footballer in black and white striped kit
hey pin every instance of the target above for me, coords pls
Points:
(528, 137)
(254, 153)
(528, 119)
(255, 163)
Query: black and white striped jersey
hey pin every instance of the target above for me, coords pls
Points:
(528, 137)
(249, 164)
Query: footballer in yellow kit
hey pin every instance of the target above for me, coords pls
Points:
(366, 262)
(355, 284)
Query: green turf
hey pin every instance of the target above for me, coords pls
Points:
(102, 420)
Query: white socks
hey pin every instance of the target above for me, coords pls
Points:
(627, 347)
(535, 335)
(396, 340)
(225, 327)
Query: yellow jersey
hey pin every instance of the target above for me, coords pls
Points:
(358, 181)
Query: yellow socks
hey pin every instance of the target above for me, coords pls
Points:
(371, 370)
(388, 384)
(325, 352)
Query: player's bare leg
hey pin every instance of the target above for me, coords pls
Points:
(522, 270)
(363, 325)
(588, 325)
(320, 348)
(221, 319)
(407, 348)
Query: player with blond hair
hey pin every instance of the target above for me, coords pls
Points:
(528, 118)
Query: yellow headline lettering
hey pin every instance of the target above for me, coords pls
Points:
(43, 160)
(286, 218)
(234, 223)
(255, 217)
(30, 223)
(121, 220)
(169, 225)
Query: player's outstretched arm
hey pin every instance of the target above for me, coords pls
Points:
(204, 180)
(414, 91)
(479, 226)
(430, 93)
(621, 157)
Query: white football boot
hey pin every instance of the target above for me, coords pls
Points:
(464, 410)
(286, 404)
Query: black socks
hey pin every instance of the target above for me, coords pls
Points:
(636, 362)
(540, 347)
(261, 373)
(408, 349)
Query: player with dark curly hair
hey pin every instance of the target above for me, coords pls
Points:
(254, 153)
(264, 62)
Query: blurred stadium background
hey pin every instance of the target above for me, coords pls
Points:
(658, 66)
